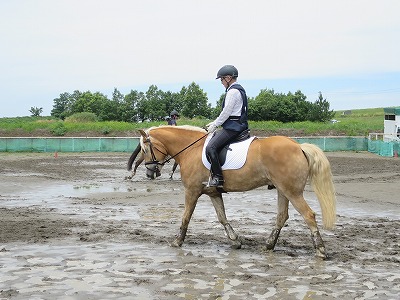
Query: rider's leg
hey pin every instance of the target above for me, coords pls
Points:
(217, 142)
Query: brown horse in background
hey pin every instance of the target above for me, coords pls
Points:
(276, 160)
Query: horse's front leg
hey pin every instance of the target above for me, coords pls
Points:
(190, 204)
(218, 203)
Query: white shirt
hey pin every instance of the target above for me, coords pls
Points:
(233, 105)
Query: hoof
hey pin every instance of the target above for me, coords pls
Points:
(176, 244)
(266, 249)
(236, 244)
(321, 253)
(269, 246)
(271, 241)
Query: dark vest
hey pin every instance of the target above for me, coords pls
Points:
(237, 123)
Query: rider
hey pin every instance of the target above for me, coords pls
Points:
(233, 119)
(174, 115)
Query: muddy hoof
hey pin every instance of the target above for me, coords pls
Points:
(321, 253)
(269, 246)
(236, 244)
(176, 244)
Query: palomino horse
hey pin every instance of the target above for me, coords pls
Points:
(276, 160)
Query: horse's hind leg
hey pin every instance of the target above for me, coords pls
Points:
(219, 206)
(309, 217)
(281, 218)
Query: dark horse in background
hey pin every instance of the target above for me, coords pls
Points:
(276, 160)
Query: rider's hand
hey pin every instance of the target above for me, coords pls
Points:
(210, 127)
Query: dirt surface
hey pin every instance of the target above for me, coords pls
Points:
(72, 227)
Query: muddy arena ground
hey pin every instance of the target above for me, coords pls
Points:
(72, 227)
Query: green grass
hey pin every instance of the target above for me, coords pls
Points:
(359, 123)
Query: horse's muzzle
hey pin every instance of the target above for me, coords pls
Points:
(153, 170)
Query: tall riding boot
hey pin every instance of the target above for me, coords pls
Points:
(216, 179)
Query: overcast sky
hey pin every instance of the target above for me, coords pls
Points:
(348, 50)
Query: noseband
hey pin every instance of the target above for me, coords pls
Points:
(154, 160)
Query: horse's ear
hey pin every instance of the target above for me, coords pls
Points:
(143, 133)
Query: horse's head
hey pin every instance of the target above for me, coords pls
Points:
(154, 154)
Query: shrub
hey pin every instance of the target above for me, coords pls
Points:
(105, 130)
(58, 129)
(82, 117)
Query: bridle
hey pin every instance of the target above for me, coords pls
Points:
(154, 160)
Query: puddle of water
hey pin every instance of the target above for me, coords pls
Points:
(63, 196)
(53, 196)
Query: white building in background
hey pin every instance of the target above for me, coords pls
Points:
(391, 124)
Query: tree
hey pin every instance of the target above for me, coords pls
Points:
(173, 101)
(320, 111)
(260, 105)
(111, 109)
(117, 96)
(96, 103)
(35, 111)
(282, 109)
(62, 106)
(156, 104)
(303, 107)
(195, 102)
(128, 109)
(190, 102)
(218, 107)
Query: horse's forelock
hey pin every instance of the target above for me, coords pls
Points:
(141, 141)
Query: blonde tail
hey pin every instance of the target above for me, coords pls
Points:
(321, 180)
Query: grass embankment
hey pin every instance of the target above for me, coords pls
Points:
(359, 123)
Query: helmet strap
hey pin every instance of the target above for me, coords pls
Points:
(228, 83)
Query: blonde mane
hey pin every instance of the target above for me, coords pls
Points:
(186, 127)
(180, 127)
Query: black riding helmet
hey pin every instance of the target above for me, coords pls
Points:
(174, 113)
(227, 70)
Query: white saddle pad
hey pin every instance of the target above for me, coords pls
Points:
(235, 157)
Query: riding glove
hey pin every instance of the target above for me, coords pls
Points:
(211, 127)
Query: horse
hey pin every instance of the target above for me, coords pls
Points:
(139, 161)
(276, 161)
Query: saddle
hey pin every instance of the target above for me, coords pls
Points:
(234, 155)
(244, 135)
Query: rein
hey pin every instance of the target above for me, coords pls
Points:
(155, 161)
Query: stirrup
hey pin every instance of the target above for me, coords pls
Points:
(215, 181)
